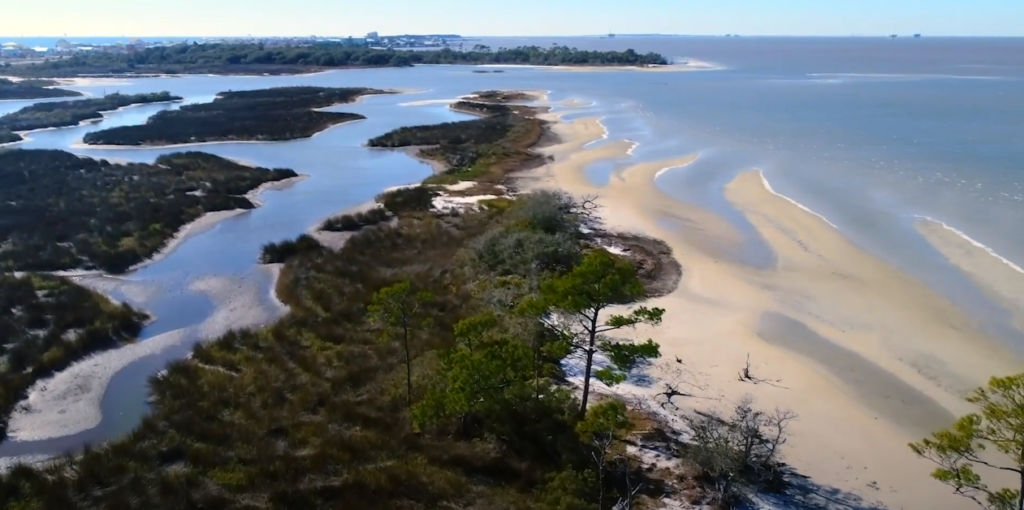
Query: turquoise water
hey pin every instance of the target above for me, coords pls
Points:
(870, 133)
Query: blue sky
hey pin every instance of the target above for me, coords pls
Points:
(494, 17)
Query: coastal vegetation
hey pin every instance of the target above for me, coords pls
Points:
(62, 211)
(279, 253)
(421, 366)
(501, 96)
(72, 113)
(283, 113)
(48, 322)
(356, 221)
(32, 89)
(972, 452)
(345, 402)
(229, 58)
(7, 136)
(484, 149)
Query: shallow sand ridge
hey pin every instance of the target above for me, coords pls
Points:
(869, 357)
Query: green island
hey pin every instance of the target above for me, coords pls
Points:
(258, 59)
(32, 89)
(62, 211)
(484, 149)
(284, 113)
(47, 323)
(500, 96)
(73, 113)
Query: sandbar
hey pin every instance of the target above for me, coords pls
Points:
(867, 356)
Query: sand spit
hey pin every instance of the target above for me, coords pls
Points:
(1001, 279)
(868, 357)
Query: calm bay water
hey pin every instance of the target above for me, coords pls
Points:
(870, 133)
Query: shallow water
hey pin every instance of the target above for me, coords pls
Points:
(866, 132)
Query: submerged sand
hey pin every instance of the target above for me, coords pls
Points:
(867, 356)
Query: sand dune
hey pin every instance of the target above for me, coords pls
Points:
(869, 357)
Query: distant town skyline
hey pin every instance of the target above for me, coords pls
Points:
(228, 18)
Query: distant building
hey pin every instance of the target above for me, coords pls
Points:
(373, 35)
(63, 45)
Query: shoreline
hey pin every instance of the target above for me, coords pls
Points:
(191, 229)
(69, 401)
(86, 122)
(80, 145)
(853, 346)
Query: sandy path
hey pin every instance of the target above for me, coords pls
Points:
(868, 357)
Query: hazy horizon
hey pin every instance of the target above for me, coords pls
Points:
(266, 18)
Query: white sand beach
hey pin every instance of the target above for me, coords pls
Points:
(868, 357)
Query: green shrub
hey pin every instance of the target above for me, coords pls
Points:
(407, 200)
(353, 222)
(278, 253)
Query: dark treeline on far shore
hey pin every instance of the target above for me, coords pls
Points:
(32, 89)
(224, 58)
(48, 322)
(284, 113)
(72, 113)
(62, 211)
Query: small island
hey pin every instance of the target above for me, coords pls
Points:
(47, 323)
(259, 59)
(66, 212)
(32, 89)
(73, 113)
(481, 149)
(276, 114)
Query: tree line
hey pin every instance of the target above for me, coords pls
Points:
(32, 89)
(61, 211)
(283, 113)
(72, 113)
(227, 58)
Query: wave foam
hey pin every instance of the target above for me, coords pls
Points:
(976, 244)
(790, 200)
(604, 135)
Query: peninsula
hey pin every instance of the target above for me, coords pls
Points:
(260, 59)
(32, 89)
(65, 212)
(275, 114)
(72, 113)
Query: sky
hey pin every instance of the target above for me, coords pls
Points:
(148, 18)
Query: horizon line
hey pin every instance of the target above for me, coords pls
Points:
(635, 34)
